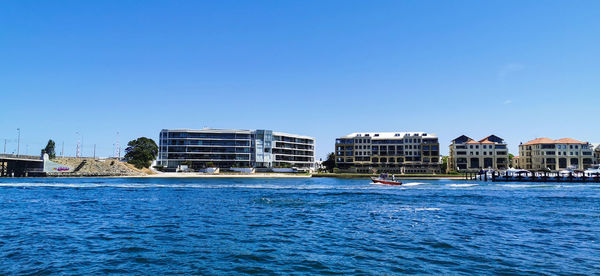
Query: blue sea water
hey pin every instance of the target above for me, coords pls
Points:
(296, 226)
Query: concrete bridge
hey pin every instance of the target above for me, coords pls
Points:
(20, 165)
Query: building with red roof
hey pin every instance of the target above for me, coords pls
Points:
(548, 154)
(488, 153)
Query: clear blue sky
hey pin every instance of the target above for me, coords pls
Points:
(518, 69)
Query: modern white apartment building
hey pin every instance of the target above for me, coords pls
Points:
(392, 152)
(227, 148)
(545, 153)
(488, 153)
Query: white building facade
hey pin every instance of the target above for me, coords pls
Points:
(392, 152)
(232, 148)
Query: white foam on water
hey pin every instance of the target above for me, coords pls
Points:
(462, 185)
(405, 209)
(530, 186)
(579, 185)
(427, 209)
(413, 184)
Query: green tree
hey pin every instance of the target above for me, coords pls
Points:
(444, 166)
(141, 152)
(330, 162)
(510, 156)
(49, 149)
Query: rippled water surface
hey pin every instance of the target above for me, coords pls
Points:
(300, 226)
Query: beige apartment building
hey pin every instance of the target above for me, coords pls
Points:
(514, 163)
(597, 153)
(545, 153)
(467, 154)
(391, 152)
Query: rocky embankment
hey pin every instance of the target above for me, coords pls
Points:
(98, 167)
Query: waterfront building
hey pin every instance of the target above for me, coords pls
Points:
(232, 148)
(392, 152)
(596, 153)
(514, 163)
(566, 153)
(488, 153)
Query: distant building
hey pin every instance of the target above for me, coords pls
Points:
(392, 152)
(514, 163)
(488, 153)
(545, 153)
(597, 153)
(227, 148)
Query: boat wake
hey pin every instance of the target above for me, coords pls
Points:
(530, 186)
(410, 184)
(462, 185)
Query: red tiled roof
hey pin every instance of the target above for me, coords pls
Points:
(550, 141)
(486, 141)
(482, 141)
(569, 141)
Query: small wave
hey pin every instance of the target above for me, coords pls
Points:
(427, 209)
(81, 202)
(414, 184)
(404, 209)
(462, 185)
(579, 186)
(152, 185)
(530, 186)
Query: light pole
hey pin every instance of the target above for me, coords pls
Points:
(77, 153)
(118, 148)
(18, 140)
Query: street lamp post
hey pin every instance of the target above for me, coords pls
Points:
(18, 140)
(77, 153)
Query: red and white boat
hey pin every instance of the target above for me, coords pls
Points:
(385, 181)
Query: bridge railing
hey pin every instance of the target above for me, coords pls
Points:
(21, 156)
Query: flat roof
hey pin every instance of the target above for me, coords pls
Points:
(244, 131)
(211, 130)
(389, 135)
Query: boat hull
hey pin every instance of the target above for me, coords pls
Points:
(386, 182)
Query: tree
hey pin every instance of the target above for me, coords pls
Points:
(330, 162)
(510, 156)
(141, 152)
(444, 166)
(49, 149)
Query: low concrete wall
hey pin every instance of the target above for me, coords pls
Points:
(243, 170)
(210, 170)
(283, 170)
